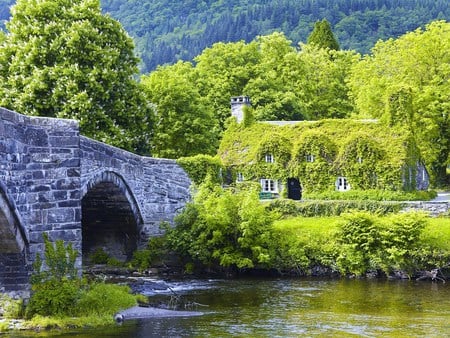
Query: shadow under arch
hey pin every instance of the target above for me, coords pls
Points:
(14, 265)
(110, 217)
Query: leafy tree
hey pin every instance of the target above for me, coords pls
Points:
(66, 59)
(272, 89)
(223, 71)
(227, 228)
(406, 80)
(322, 36)
(185, 125)
(323, 89)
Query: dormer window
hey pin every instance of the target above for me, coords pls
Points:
(310, 158)
(269, 158)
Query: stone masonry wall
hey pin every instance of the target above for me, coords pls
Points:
(40, 168)
(160, 188)
(46, 168)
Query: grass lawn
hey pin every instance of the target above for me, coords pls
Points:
(318, 229)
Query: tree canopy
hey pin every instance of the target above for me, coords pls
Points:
(322, 36)
(64, 58)
(405, 82)
(184, 121)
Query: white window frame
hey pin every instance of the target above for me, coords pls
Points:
(269, 185)
(310, 158)
(342, 184)
(269, 158)
(240, 177)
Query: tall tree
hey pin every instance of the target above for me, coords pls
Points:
(322, 36)
(185, 124)
(407, 81)
(223, 71)
(272, 89)
(323, 89)
(64, 58)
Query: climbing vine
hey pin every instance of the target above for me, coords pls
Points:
(359, 160)
(367, 153)
(313, 160)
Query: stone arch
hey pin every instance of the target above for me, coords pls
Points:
(14, 265)
(14, 239)
(111, 218)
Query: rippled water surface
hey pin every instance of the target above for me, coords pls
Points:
(299, 307)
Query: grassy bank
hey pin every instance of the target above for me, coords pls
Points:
(362, 242)
(435, 233)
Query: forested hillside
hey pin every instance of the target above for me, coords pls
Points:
(168, 30)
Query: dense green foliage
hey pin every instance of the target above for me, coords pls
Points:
(58, 291)
(167, 31)
(185, 124)
(405, 83)
(202, 167)
(324, 208)
(66, 59)
(322, 36)
(357, 149)
(225, 229)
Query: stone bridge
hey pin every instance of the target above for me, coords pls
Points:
(90, 194)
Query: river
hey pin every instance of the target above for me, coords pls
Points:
(295, 307)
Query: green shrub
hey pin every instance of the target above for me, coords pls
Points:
(224, 227)
(359, 239)
(54, 297)
(11, 308)
(371, 194)
(104, 299)
(99, 256)
(55, 285)
(199, 167)
(331, 208)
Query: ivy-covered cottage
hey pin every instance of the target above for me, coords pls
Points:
(289, 158)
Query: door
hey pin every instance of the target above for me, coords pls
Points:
(294, 189)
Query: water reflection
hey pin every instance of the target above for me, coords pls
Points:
(291, 308)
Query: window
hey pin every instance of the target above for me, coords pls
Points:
(309, 158)
(269, 158)
(269, 185)
(342, 184)
(240, 177)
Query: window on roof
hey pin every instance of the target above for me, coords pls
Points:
(269, 158)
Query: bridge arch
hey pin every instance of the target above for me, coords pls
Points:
(110, 217)
(14, 267)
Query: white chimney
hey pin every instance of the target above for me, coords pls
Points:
(237, 107)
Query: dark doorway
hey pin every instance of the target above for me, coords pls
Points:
(108, 223)
(294, 189)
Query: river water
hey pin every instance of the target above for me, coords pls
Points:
(296, 307)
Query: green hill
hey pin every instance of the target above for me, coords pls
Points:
(170, 30)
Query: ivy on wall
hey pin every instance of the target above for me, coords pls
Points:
(367, 153)
(359, 161)
(313, 161)
(200, 167)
